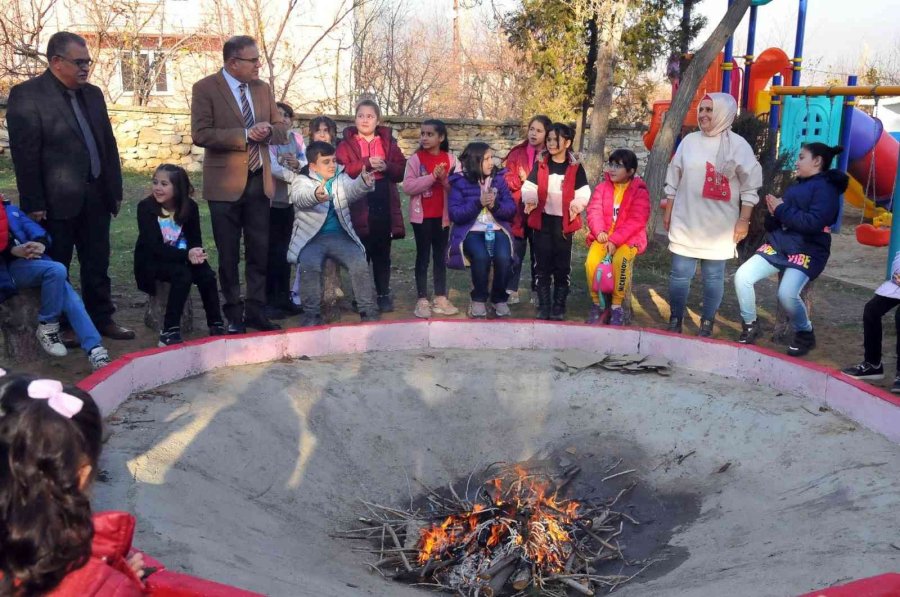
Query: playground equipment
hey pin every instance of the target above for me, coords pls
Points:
(809, 114)
(871, 155)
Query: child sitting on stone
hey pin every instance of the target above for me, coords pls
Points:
(323, 230)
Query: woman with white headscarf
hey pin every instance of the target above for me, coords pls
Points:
(711, 186)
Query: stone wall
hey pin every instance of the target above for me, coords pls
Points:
(148, 137)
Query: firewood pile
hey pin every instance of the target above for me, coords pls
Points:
(511, 535)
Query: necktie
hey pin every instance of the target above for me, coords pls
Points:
(87, 133)
(252, 147)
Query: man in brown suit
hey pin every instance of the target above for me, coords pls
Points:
(234, 118)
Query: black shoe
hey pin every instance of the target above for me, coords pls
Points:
(309, 321)
(113, 330)
(749, 332)
(558, 308)
(543, 306)
(895, 389)
(385, 303)
(706, 328)
(170, 336)
(261, 323)
(366, 317)
(236, 327)
(674, 325)
(802, 343)
(217, 329)
(865, 370)
(273, 312)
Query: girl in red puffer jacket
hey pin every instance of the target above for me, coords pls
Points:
(617, 219)
(49, 447)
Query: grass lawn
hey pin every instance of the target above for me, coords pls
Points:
(837, 311)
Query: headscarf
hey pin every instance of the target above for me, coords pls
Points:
(723, 114)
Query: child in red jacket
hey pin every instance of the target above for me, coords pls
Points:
(50, 440)
(378, 218)
(617, 220)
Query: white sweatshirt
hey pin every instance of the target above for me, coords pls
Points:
(704, 228)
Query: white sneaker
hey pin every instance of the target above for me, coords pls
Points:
(423, 309)
(99, 358)
(48, 335)
(443, 306)
(501, 309)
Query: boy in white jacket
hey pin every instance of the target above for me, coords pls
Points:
(323, 229)
(887, 296)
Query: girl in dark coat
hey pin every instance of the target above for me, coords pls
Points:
(481, 210)
(169, 248)
(798, 244)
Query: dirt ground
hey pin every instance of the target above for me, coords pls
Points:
(242, 475)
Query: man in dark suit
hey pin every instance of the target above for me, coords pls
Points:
(234, 118)
(67, 168)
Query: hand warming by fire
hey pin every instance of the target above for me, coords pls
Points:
(513, 533)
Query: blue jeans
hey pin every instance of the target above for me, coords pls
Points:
(57, 296)
(476, 252)
(683, 270)
(792, 282)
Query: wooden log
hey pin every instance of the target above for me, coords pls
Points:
(522, 577)
(18, 323)
(156, 310)
(498, 580)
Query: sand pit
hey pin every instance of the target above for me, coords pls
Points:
(241, 474)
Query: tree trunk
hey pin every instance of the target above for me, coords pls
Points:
(613, 25)
(18, 322)
(590, 79)
(655, 173)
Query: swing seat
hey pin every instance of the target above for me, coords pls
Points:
(867, 234)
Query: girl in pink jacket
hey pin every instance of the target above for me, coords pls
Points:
(617, 220)
(425, 181)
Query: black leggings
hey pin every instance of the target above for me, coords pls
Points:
(180, 276)
(872, 314)
(431, 243)
(553, 251)
(378, 252)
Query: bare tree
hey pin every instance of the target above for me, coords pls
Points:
(137, 41)
(22, 25)
(270, 23)
(655, 173)
(610, 16)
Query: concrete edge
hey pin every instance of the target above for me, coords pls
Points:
(869, 406)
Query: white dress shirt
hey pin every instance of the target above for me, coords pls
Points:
(235, 85)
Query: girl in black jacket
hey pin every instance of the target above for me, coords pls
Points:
(169, 249)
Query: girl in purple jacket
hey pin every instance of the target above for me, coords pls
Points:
(481, 210)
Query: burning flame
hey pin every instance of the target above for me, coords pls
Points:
(518, 514)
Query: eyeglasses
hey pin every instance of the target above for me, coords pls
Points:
(250, 60)
(614, 166)
(79, 62)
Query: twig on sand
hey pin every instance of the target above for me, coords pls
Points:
(399, 546)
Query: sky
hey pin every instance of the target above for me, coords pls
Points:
(840, 34)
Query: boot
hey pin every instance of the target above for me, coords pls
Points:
(749, 332)
(706, 328)
(558, 310)
(543, 307)
(674, 325)
(802, 343)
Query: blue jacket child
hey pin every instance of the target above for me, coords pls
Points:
(25, 264)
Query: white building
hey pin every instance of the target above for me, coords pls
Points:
(150, 52)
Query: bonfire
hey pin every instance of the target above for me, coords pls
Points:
(514, 534)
